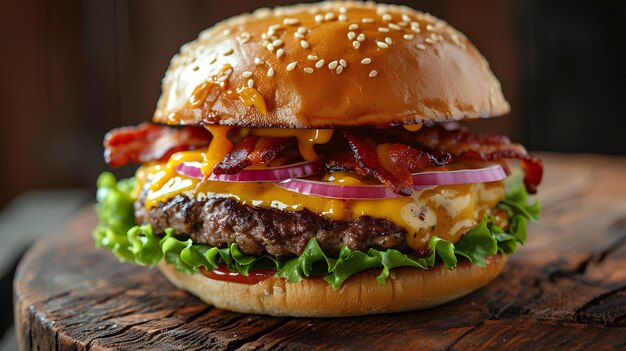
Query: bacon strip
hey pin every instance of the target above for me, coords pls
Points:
(344, 162)
(457, 140)
(392, 164)
(150, 142)
(250, 151)
(486, 147)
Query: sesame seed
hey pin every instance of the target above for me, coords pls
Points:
(342, 17)
(329, 16)
(416, 29)
(408, 36)
(356, 44)
(373, 73)
(434, 36)
(280, 53)
(406, 18)
(195, 68)
(245, 37)
(304, 44)
(386, 17)
(213, 59)
(308, 70)
(320, 63)
(430, 41)
(264, 36)
(361, 37)
(343, 9)
(291, 21)
(394, 26)
(430, 27)
(457, 41)
(353, 26)
(343, 62)
(270, 72)
(403, 24)
(298, 35)
(319, 18)
(222, 78)
(312, 57)
(420, 46)
(250, 83)
(383, 29)
(382, 45)
(247, 74)
(339, 69)
(291, 66)
(367, 20)
(227, 31)
(270, 47)
(333, 65)
(277, 43)
(388, 41)
(351, 35)
(302, 30)
(366, 61)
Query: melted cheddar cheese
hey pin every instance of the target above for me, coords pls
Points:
(446, 211)
(218, 149)
(344, 178)
(412, 127)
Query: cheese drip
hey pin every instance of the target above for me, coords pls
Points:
(219, 147)
(412, 127)
(166, 181)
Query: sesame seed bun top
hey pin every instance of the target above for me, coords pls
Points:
(332, 64)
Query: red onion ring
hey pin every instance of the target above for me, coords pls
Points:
(487, 174)
(331, 190)
(295, 170)
(369, 192)
(287, 176)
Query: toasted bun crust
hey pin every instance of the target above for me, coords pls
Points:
(400, 66)
(406, 289)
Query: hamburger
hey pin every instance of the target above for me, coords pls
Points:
(308, 161)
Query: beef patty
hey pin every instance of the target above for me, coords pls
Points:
(221, 221)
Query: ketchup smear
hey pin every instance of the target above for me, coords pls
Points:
(222, 273)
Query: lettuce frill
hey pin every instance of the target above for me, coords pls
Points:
(118, 232)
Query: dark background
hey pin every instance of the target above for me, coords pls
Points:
(72, 69)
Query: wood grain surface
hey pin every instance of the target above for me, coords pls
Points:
(566, 289)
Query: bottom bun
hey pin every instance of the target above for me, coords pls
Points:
(406, 289)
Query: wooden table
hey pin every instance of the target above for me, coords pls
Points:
(565, 289)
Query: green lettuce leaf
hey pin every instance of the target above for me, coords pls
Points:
(137, 243)
(478, 243)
